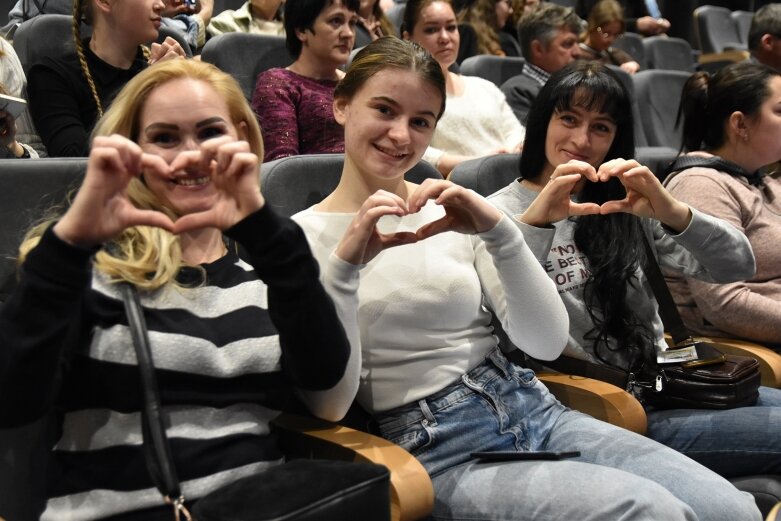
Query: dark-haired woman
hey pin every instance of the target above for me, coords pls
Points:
(584, 211)
(735, 115)
(423, 264)
(68, 94)
(293, 104)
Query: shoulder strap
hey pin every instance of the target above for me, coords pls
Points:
(157, 450)
(668, 311)
(716, 162)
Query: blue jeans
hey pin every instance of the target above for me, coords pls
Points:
(500, 406)
(735, 442)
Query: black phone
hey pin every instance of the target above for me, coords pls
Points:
(508, 455)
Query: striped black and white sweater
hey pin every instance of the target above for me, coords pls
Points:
(227, 354)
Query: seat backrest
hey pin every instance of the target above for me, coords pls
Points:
(658, 94)
(632, 44)
(485, 175)
(665, 52)
(496, 69)
(44, 35)
(714, 29)
(626, 80)
(32, 187)
(294, 183)
(244, 56)
(742, 20)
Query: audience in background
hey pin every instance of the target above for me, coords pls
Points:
(734, 115)
(420, 266)
(520, 8)
(585, 212)
(549, 41)
(68, 94)
(254, 16)
(605, 24)
(372, 23)
(477, 121)
(641, 16)
(764, 36)
(294, 104)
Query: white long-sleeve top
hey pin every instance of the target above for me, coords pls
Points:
(475, 123)
(416, 313)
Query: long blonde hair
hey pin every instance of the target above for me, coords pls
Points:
(146, 256)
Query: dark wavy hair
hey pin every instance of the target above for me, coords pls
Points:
(611, 243)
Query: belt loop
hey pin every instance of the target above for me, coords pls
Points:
(500, 361)
(427, 414)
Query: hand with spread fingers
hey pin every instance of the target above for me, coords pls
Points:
(645, 195)
(362, 241)
(554, 203)
(234, 172)
(465, 211)
(101, 209)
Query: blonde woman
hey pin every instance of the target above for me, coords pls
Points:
(68, 94)
(170, 193)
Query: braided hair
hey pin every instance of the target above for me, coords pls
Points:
(82, 13)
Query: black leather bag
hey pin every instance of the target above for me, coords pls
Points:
(714, 381)
(300, 490)
(731, 383)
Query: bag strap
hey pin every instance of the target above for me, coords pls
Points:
(668, 311)
(157, 450)
(715, 162)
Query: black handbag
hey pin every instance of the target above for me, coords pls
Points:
(300, 490)
(714, 381)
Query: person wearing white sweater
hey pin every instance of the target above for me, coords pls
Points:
(416, 272)
(478, 121)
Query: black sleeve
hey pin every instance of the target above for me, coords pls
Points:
(314, 345)
(39, 321)
(56, 110)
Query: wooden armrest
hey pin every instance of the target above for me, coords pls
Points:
(599, 399)
(733, 55)
(412, 495)
(769, 360)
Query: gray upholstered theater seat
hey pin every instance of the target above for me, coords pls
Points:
(294, 183)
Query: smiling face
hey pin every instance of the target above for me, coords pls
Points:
(436, 31)
(388, 123)
(577, 133)
(171, 122)
(332, 35)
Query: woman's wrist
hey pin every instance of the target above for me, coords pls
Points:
(679, 217)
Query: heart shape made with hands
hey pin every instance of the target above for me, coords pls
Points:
(237, 194)
(641, 185)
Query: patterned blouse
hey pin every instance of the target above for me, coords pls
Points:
(296, 114)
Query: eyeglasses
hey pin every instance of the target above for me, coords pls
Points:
(607, 34)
